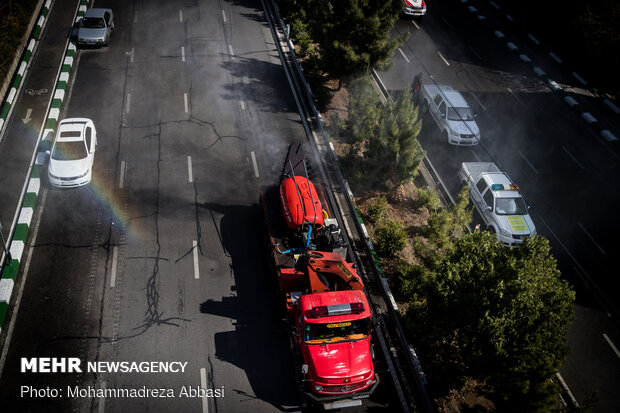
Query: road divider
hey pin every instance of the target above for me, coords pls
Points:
(28, 200)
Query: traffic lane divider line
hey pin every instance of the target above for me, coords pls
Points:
(195, 256)
(612, 345)
(596, 244)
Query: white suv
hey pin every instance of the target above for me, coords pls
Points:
(452, 114)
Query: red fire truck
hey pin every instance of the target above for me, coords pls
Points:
(326, 306)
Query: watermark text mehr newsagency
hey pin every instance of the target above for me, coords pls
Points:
(74, 365)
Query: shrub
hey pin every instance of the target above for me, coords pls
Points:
(427, 197)
(391, 238)
(377, 208)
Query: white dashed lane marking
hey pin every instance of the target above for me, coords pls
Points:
(443, 58)
(114, 263)
(596, 244)
(255, 164)
(195, 254)
(528, 162)
(121, 179)
(189, 169)
(403, 53)
(573, 158)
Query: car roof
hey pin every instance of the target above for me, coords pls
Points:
(455, 99)
(95, 12)
(501, 178)
(72, 125)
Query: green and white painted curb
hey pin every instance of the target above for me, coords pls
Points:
(17, 81)
(17, 243)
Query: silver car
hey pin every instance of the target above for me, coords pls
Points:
(95, 27)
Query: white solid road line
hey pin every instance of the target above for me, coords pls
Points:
(121, 179)
(255, 164)
(230, 51)
(189, 169)
(182, 53)
(403, 53)
(242, 103)
(203, 385)
(195, 253)
(186, 102)
(572, 157)
(528, 162)
(224, 16)
(132, 54)
(443, 58)
(611, 344)
(591, 238)
(415, 24)
(181, 16)
(114, 263)
(101, 407)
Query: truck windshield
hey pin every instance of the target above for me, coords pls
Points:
(464, 114)
(317, 333)
(510, 206)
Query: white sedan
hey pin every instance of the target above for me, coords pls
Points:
(73, 153)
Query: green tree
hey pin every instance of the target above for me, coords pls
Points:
(385, 136)
(391, 238)
(496, 314)
(445, 226)
(352, 35)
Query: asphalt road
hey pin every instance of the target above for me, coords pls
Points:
(566, 172)
(160, 257)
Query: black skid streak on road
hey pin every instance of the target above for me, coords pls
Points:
(152, 314)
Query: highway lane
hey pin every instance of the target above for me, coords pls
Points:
(160, 258)
(566, 172)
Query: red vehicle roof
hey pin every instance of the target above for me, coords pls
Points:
(309, 301)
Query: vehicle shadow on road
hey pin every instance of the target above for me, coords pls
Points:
(259, 344)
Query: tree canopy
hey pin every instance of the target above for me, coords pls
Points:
(346, 36)
(385, 134)
(495, 314)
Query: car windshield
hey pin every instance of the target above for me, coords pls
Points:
(510, 206)
(93, 23)
(318, 333)
(463, 114)
(69, 151)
